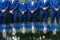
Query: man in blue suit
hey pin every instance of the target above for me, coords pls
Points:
(13, 10)
(54, 10)
(43, 5)
(22, 6)
(4, 4)
(32, 7)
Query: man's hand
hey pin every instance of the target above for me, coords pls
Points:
(11, 12)
(22, 12)
(57, 9)
(44, 9)
(3, 11)
(32, 11)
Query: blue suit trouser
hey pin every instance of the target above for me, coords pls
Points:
(43, 15)
(3, 18)
(13, 17)
(22, 18)
(53, 15)
(32, 17)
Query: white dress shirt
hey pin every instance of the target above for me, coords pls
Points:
(23, 3)
(12, 1)
(45, 1)
(32, 3)
(2, 0)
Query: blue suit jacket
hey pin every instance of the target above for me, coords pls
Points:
(4, 5)
(54, 4)
(22, 7)
(13, 5)
(30, 7)
(42, 4)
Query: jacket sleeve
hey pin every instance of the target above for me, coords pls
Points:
(16, 1)
(52, 4)
(19, 7)
(28, 7)
(39, 5)
(7, 5)
(25, 7)
(36, 7)
(59, 4)
(48, 4)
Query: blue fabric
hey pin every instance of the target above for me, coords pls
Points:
(3, 6)
(42, 5)
(43, 14)
(13, 7)
(54, 14)
(22, 7)
(54, 4)
(30, 8)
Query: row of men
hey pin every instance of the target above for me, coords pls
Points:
(13, 6)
